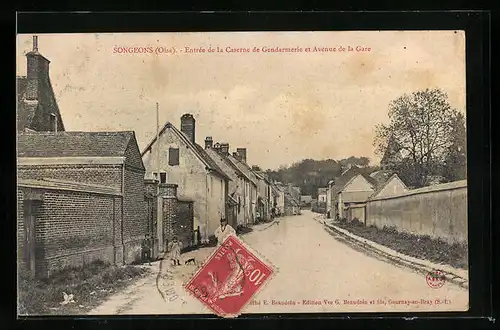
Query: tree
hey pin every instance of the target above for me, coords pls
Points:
(455, 165)
(421, 125)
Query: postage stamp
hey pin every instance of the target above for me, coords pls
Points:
(230, 278)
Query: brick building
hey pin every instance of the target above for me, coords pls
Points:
(37, 108)
(81, 197)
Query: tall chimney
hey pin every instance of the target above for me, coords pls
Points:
(35, 44)
(224, 148)
(188, 126)
(243, 154)
(208, 142)
(37, 71)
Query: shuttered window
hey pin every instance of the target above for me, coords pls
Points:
(173, 156)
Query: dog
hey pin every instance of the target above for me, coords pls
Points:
(190, 261)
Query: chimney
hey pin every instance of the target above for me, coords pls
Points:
(224, 149)
(188, 126)
(243, 154)
(217, 147)
(208, 142)
(38, 69)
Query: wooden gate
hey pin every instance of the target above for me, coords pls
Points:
(184, 226)
(29, 237)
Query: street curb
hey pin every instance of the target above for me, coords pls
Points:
(397, 257)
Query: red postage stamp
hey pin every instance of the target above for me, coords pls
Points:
(435, 279)
(229, 278)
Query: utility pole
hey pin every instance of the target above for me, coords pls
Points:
(159, 213)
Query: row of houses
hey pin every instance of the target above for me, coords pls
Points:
(84, 196)
(219, 183)
(346, 196)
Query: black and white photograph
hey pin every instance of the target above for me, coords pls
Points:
(339, 157)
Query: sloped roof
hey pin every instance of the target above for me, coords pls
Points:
(342, 181)
(291, 200)
(381, 176)
(25, 109)
(212, 164)
(198, 150)
(222, 161)
(243, 168)
(384, 184)
(231, 200)
(73, 144)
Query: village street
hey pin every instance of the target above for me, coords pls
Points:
(312, 266)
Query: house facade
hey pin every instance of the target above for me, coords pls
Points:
(279, 191)
(250, 189)
(322, 195)
(80, 198)
(176, 158)
(351, 188)
(237, 186)
(263, 196)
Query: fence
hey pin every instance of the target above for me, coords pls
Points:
(439, 211)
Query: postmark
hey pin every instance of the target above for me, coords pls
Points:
(435, 279)
(230, 278)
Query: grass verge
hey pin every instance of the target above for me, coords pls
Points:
(417, 246)
(90, 285)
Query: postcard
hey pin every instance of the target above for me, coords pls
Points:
(236, 173)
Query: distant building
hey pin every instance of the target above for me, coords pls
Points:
(322, 195)
(306, 199)
(185, 163)
(251, 186)
(239, 185)
(37, 108)
(391, 187)
(352, 187)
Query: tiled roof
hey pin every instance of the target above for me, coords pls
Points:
(244, 169)
(25, 109)
(212, 164)
(198, 150)
(73, 144)
(344, 179)
(381, 176)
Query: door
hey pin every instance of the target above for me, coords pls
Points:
(184, 226)
(29, 237)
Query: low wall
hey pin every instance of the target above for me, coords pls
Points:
(439, 211)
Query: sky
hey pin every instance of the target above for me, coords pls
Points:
(282, 107)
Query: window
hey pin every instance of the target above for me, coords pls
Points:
(155, 175)
(173, 156)
(163, 177)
